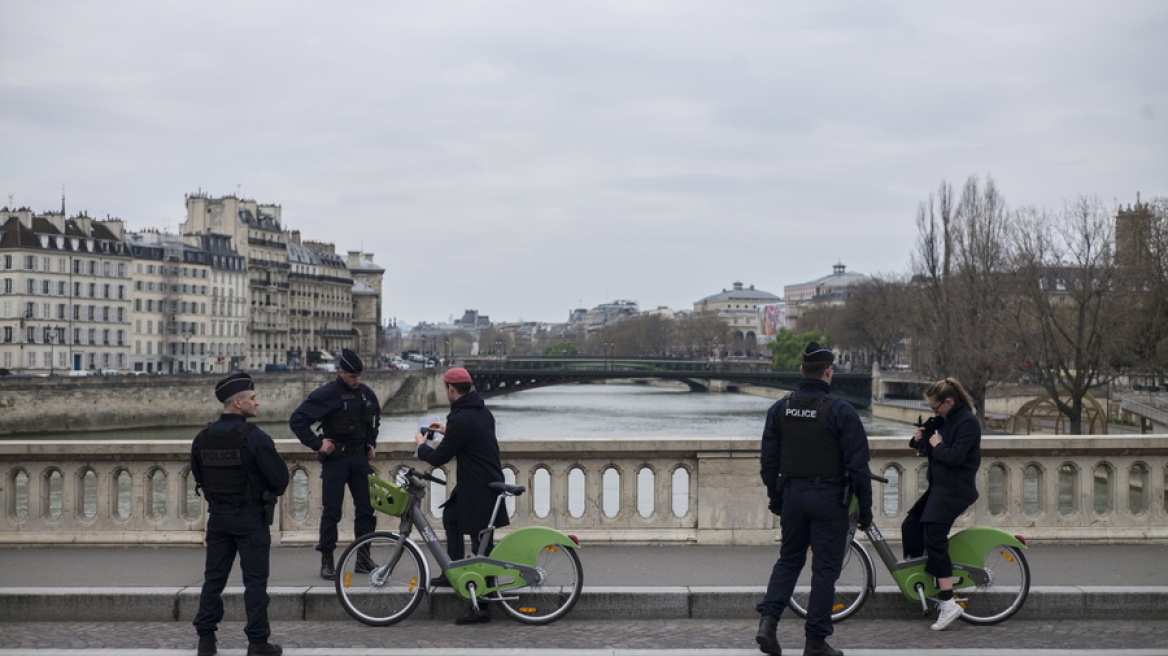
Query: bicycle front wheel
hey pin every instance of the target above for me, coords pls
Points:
(552, 599)
(375, 591)
(856, 581)
(1000, 597)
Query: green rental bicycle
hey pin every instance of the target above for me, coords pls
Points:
(993, 577)
(533, 573)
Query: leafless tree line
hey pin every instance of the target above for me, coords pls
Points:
(997, 295)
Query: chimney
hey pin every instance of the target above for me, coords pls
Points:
(84, 224)
(116, 226)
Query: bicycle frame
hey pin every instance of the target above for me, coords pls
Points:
(512, 560)
(965, 547)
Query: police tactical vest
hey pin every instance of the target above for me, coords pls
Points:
(351, 422)
(224, 462)
(807, 447)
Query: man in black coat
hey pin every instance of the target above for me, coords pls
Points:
(349, 415)
(469, 438)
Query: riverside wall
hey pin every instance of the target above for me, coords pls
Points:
(38, 405)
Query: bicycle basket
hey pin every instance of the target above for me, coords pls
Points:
(387, 497)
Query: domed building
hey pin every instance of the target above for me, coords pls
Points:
(739, 306)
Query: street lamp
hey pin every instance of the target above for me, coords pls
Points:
(24, 335)
(609, 353)
(446, 349)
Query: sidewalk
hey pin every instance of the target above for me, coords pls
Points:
(1094, 600)
(620, 582)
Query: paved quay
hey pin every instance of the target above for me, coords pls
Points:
(1089, 600)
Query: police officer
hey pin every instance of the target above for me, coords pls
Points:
(814, 457)
(236, 466)
(349, 416)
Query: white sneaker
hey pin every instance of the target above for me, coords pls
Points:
(947, 613)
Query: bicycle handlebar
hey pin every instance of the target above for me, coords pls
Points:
(410, 471)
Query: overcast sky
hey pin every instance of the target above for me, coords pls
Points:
(527, 158)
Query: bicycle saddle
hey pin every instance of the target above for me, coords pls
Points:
(514, 490)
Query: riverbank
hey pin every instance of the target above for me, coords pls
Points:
(31, 405)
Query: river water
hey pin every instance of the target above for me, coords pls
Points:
(561, 411)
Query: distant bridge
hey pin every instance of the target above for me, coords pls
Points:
(502, 375)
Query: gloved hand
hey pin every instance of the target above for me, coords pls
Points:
(864, 522)
(776, 505)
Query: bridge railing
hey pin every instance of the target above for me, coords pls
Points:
(692, 490)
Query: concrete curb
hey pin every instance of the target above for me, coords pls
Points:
(597, 603)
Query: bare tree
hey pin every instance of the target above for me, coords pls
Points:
(872, 324)
(961, 258)
(1067, 302)
(699, 334)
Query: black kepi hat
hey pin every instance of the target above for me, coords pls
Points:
(232, 385)
(816, 354)
(350, 362)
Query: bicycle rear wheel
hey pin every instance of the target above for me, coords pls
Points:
(559, 592)
(856, 582)
(1003, 594)
(372, 594)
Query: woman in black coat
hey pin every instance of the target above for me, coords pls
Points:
(954, 452)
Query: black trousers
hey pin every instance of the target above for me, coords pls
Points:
(350, 469)
(455, 542)
(930, 539)
(812, 517)
(247, 535)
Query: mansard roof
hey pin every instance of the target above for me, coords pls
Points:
(41, 233)
(740, 293)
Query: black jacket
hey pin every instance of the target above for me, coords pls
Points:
(265, 467)
(322, 402)
(953, 466)
(844, 423)
(470, 440)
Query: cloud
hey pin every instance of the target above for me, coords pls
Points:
(523, 158)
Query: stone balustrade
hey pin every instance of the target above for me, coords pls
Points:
(691, 490)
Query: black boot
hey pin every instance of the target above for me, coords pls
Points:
(207, 646)
(265, 648)
(365, 562)
(328, 571)
(820, 648)
(767, 636)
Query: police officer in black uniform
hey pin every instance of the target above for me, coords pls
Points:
(814, 457)
(349, 416)
(236, 466)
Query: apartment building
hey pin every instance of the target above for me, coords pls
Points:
(229, 302)
(255, 230)
(65, 290)
(172, 294)
(367, 278)
(321, 302)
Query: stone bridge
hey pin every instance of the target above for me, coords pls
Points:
(706, 491)
(494, 376)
